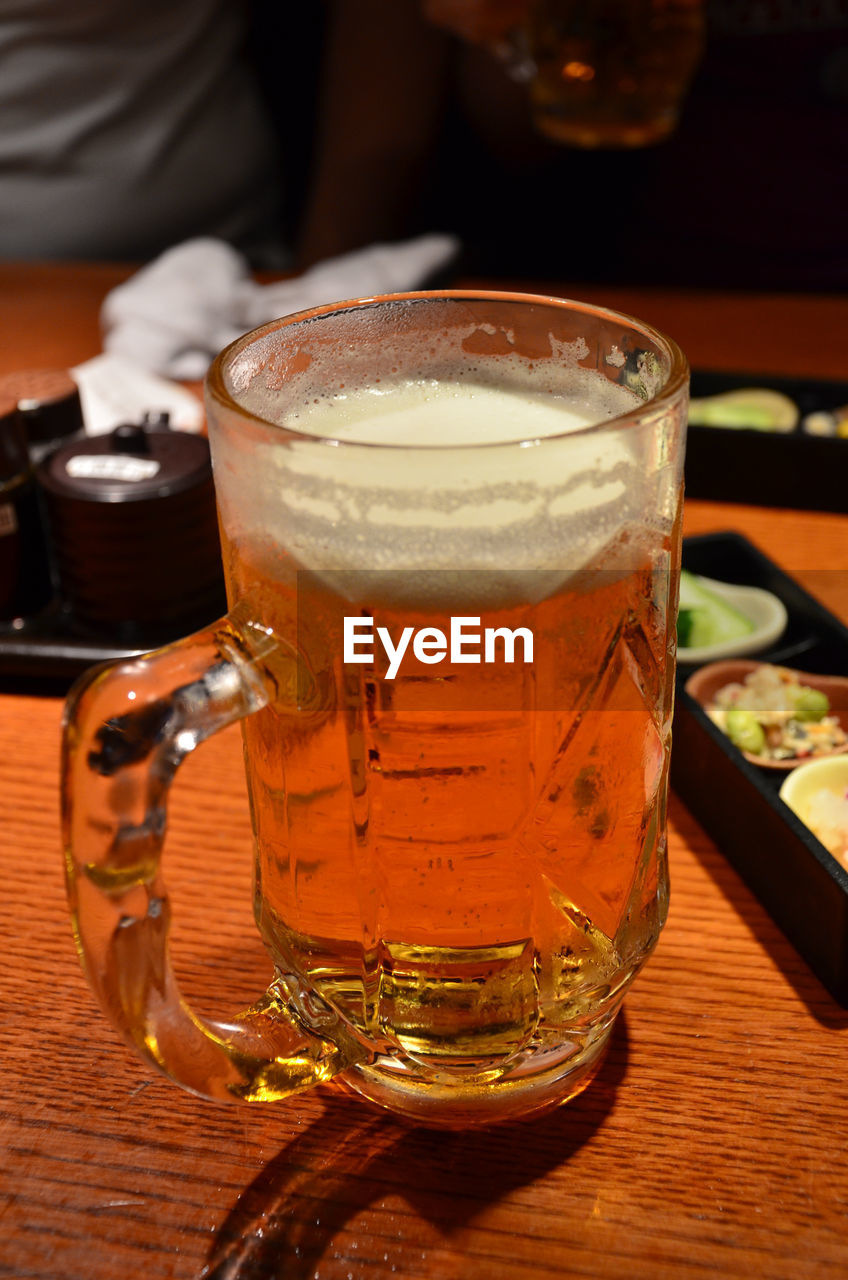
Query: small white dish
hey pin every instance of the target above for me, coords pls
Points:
(767, 613)
(811, 778)
(830, 773)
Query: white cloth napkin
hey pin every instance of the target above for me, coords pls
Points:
(115, 390)
(174, 315)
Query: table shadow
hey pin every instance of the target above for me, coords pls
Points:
(354, 1157)
(808, 988)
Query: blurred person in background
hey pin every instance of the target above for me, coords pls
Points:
(125, 128)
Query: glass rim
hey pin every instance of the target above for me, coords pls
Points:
(216, 389)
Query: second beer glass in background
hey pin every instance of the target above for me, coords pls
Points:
(609, 73)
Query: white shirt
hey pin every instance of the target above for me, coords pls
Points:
(127, 126)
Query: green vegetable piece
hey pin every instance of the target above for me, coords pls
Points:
(745, 731)
(686, 624)
(757, 408)
(808, 704)
(704, 618)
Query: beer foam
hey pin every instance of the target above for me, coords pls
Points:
(387, 491)
(431, 413)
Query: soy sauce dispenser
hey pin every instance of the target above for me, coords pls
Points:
(135, 533)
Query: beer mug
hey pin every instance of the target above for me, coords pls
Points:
(608, 73)
(450, 529)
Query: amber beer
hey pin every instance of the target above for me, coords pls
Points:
(465, 863)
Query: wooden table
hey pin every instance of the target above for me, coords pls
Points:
(713, 1142)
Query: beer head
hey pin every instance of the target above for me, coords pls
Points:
(435, 437)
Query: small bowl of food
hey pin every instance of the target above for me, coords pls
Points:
(817, 792)
(776, 716)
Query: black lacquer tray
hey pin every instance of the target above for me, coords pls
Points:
(729, 464)
(804, 888)
(46, 653)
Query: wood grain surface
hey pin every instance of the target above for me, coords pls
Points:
(714, 1141)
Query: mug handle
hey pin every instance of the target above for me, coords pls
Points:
(127, 728)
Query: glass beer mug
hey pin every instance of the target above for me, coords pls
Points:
(450, 528)
(608, 73)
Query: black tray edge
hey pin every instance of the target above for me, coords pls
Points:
(803, 888)
(795, 470)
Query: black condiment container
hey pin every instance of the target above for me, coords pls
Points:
(135, 534)
(25, 580)
(49, 406)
